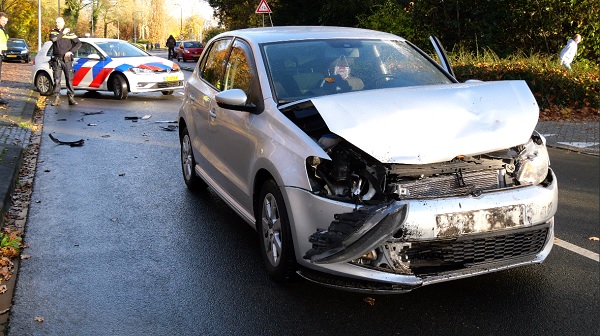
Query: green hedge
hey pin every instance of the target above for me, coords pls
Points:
(552, 85)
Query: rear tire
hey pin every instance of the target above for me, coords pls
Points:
(273, 225)
(188, 163)
(119, 86)
(44, 84)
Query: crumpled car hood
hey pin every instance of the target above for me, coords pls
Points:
(428, 124)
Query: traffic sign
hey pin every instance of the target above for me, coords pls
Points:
(263, 8)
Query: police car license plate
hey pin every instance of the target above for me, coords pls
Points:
(11, 55)
(171, 78)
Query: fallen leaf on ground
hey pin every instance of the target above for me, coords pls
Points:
(3, 289)
(369, 300)
(594, 238)
(39, 319)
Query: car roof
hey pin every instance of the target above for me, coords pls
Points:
(94, 39)
(99, 39)
(286, 33)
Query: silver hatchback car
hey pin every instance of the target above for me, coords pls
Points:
(362, 163)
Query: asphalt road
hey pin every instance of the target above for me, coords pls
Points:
(119, 247)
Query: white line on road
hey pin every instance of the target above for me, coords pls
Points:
(579, 144)
(577, 249)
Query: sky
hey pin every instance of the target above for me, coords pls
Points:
(193, 7)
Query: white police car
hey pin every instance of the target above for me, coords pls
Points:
(110, 65)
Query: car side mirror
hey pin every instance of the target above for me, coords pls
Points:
(94, 57)
(234, 99)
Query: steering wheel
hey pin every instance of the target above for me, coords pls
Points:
(382, 78)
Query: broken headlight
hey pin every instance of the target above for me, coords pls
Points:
(532, 162)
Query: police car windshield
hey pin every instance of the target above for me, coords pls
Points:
(120, 49)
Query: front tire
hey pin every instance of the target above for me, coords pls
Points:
(119, 86)
(43, 83)
(188, 163)
(273, 225)
(167, 93)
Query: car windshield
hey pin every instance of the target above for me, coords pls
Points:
(303, 69)
(18, 44)
(192, 45)
(120, 49)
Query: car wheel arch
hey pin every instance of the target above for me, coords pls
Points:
(110, 84)
(281, 266)
(48, 76)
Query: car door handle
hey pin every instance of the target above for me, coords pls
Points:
(212, 113)
(193, 98)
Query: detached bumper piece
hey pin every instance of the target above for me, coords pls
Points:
(355, 285)
(353, 234)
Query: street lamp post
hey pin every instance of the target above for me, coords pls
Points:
(39, 25)
(180, 19)
(134, 27)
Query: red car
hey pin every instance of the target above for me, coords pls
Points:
(189, 50)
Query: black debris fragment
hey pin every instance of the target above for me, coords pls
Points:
(92, 113)
(70, 143)
(169, 128)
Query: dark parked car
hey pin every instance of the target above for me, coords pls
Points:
(18, 50)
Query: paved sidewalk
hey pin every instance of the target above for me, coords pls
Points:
(15, 126)
(582, 137)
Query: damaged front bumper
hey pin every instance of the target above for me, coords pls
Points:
(405, 244)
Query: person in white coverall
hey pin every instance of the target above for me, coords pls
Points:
(569, 51)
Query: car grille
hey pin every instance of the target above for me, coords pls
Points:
(452, 184)
(443, 255)
(169, 84)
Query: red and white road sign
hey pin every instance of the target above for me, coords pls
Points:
(263, 8)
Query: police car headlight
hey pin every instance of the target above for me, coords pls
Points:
(533, 161)
(140, 71)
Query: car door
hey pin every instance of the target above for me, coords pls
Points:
(89, 68)
(232, 133)
(201, 89)
(443, 57)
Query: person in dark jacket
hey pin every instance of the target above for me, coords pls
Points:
(171, 45)
(64, 44)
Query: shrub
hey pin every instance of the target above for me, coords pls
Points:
(561, 94)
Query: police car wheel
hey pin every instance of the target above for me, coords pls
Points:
(167, 93)
(43, 83)
(119, 86)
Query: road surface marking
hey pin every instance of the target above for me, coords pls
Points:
(579, 250)
(579, 144)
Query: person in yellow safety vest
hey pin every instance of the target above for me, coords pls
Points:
(3, 47)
